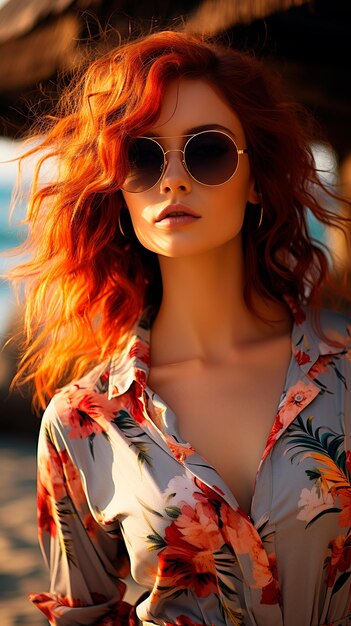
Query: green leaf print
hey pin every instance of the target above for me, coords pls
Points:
(156, 542)
(64, 512)
(143, 456)
(341, 581)
(153, 511)
(172, 511)
(325, 512)
(326, 442)
(91, 444)
(124, 421)
(236, 617)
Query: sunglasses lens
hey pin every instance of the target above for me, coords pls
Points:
(145, 165)
(211, 157)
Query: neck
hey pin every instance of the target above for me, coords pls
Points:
(203, 314)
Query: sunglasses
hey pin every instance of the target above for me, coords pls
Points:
(211, 157)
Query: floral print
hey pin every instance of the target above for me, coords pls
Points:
(120, 492)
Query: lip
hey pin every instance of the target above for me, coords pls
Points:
(179, 208)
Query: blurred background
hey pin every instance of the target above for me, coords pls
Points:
(41, 43)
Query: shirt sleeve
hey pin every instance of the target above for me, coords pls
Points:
(87, 563)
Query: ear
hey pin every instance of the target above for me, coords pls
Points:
(254, 196)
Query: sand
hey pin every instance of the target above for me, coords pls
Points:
(21, 567)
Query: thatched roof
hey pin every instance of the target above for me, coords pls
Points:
(216, 16)
(39, 37)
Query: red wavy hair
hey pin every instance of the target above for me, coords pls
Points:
(85, 288)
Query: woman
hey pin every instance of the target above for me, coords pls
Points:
(208, 449)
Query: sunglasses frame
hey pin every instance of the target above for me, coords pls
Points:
(239, 151)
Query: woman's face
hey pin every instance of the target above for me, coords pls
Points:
(188, 106)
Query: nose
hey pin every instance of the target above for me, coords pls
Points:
(175, 176)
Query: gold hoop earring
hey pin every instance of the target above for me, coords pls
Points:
(120, 224)
(261, 217)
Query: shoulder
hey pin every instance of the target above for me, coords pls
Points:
(331, 330)
(336, 321)
(73, 408)
(337, 330)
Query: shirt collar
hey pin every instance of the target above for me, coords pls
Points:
(316, 333)
(132, 364)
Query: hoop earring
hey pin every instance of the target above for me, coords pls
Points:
(126, 236)
(261, 217)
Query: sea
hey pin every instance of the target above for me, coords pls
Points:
(12, 234)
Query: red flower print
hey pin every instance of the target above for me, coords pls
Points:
(218, 489)
(343, 341)
(45, 603)
(199, 526)
(132, 401)
(181, 451)
(105, 377)
(244, 539)
(348, 460)
(49, 604)
(340, 558)
(271, 592)
(302, 357)
(140, 377)
(187, 562)
(141, 351)
(50, 472)
(298, 396)
(46, 511)
(320, 366)
(90, 525)
(85, 411)
(344, 518)
(135, 406)
(76, 602)
(273, 436)
(73, 481)
(183, 620)
(50, 487)
(121, 614)
(213, 494)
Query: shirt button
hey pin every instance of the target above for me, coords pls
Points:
(298, 397)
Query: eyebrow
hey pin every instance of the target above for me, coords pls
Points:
(194, 130)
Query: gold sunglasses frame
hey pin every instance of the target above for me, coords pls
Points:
(240, 151)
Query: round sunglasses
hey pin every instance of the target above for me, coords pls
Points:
(211, 157)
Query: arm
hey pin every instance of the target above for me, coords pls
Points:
(86, 563)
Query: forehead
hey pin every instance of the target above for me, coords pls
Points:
(192, 103)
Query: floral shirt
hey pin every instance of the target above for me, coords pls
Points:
(119, 492)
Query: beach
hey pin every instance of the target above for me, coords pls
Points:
(22, 569)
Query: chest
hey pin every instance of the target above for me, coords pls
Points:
(226, 413)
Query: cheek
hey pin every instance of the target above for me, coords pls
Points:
(230, 203)
(142, 228)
